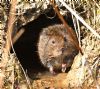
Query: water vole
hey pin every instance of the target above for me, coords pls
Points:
(56, 48)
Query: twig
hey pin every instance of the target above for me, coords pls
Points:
(74, 19)
(11, 20)
(80, 19)
(9, 42)
(96, 4)
(94, 12)
(10, 24)
(76, 22)
(18, 35)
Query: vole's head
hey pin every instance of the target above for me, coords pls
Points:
(55, 45)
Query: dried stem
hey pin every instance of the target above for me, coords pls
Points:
(18, 35)
(10, 24)
(80, 19)
(11, 20)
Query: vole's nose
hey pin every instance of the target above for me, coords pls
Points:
(63, 49)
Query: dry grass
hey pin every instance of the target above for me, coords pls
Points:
(85, 72)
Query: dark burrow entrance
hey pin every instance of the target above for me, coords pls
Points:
(26, 45)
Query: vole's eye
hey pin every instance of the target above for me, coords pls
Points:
(53, 42)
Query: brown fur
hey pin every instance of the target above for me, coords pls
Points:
(55, 46)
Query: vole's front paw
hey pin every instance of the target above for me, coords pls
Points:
(51, 69)
(63, 68)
